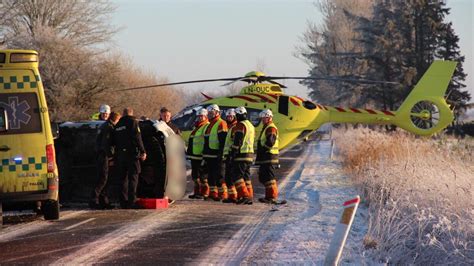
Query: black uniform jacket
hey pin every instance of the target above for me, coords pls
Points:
(127, 137)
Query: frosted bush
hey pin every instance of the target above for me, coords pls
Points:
(419, 195)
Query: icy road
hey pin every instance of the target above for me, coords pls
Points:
(202, 232)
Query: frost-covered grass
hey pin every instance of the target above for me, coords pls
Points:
(419, 192)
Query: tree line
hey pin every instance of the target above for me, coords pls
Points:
(386, 40)
(78, 69)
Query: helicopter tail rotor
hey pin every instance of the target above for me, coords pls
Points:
(425, 111)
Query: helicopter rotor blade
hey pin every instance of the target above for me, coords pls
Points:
(234, 81)
(367, 81)
(276, 83)
(179, 83)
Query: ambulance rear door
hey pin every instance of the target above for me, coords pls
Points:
(24, 145)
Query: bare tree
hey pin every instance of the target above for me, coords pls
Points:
(77, 76)
(331, 49)
(146, 102)
(83, 23)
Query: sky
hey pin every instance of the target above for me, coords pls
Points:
(204, 39)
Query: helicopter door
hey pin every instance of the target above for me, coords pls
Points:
(283, 105)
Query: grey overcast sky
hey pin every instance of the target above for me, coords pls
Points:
(202, 39)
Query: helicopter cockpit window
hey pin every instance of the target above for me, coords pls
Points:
(185, 119)
(252, 114)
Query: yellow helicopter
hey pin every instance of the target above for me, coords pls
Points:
(424, 111)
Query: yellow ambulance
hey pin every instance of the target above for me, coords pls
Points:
(28, 171)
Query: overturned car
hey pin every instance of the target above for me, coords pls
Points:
(76, 157)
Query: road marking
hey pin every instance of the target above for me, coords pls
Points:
(78, 224)
(13, 232)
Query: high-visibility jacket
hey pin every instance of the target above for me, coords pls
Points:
(214, 138)
(267, 145)
(245, 148)
(196, 142)
(229, 138)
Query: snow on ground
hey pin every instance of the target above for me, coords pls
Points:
(300, 232)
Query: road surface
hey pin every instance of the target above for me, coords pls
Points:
(204, 232)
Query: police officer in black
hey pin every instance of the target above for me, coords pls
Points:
(104, 149)
(129, 151)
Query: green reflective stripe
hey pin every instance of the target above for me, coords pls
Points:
(27, 164)
(263, 139)
(19, 82)
(247, 145)
(198, 140)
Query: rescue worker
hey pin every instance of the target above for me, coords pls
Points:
(103, 114)
(194, 153)
(231, 121)
(267, 156)
(104, 149)
(165, 115)
(214, 139)
(129, 150)
(241, 156)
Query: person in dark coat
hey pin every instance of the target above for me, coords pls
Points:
(129, 151)
(165, 115)
(105, 151)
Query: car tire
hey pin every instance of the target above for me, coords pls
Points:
(51, 210)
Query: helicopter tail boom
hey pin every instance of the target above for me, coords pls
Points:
(424, 111)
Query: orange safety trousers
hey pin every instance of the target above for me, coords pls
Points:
(271, 189)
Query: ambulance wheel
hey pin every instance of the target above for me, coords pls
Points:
(51, 210)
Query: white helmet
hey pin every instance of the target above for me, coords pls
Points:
(104, 108)
(240, 110)
(202, 111)
(230, 111)
(266, 113)
(213, 107)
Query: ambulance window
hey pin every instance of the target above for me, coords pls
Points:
(2, 58)
(3, 120)
(23, 112)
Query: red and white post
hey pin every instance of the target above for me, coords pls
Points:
(342, 230)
